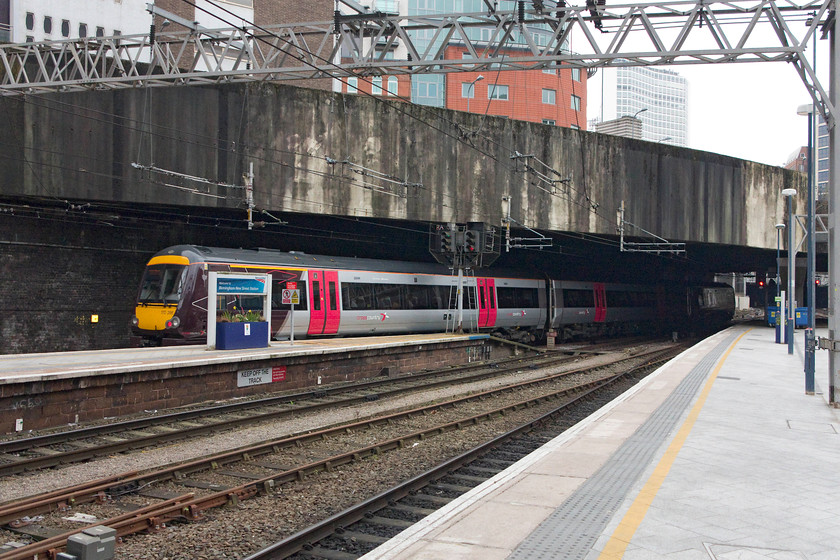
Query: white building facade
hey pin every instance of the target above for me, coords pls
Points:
(658, 97)
(55, 20)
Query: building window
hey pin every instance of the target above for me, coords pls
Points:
(100, 31)
(549, 121)
(468, 90)
(576, 103)
(498, 92)
(47, 24)
(30, 21)
(65, 28)
(574, 127)
(30, 39)
(549, 71)
(376, 87)
(549, 96)
(352, 85)
(83, 30)
(393, 86)
(576, 74)
(389, 6)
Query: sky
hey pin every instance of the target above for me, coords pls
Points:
(744, 110)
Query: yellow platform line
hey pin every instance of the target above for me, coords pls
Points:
(621, 537)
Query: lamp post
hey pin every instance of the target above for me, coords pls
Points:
(779, 229)
(808, 110)
(664, 139)
(471, 90)
(636, 115)
(789, 193)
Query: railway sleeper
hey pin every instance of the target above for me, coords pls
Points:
(475, 480)
(412, 510)
(438, 500)
(388, 522)
(355, 536)
(446, 487)
(321, 552)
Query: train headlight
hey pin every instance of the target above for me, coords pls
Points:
(173, 323)
(135, 321)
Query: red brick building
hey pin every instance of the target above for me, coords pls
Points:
(553, 96)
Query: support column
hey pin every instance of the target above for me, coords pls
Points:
(833, 240)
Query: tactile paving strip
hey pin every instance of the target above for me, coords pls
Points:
(571, 531)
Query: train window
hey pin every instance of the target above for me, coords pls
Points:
(418, 297)
(357, 296)
(578, 298)
(517, 298)
(333, 297)
(316, 295)
(388, 296)
(162, 284)
(492, 298)
(627, 298)
(618, 299)
(469, 298)
(277, 288)
(529, 298)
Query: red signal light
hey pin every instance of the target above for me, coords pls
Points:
(761, 283)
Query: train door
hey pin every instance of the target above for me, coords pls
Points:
(324, 309)
(491, 302)
(486, 302)
(600, 302)
(482, 302)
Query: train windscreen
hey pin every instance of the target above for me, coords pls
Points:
(162, 283)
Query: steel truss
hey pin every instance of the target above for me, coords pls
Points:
(533, 36)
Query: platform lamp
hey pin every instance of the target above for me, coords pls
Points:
(779, 229)
(789, 194)
(471, 90)
(808, 110)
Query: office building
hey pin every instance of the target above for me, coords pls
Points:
(658, 97)
(549, 96)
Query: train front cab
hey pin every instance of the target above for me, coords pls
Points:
(158, 299)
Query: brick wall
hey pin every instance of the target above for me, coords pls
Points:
(47, 404)
(272, 12)
(57, 276)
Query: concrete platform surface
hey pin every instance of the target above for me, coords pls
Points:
(718, 455)
(18, 368)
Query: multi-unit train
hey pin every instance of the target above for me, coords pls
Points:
(349, 297)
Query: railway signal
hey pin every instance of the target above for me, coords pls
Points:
(471, 244)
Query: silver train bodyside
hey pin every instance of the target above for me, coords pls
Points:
(354, 297)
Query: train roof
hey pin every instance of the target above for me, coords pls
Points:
(273, 257)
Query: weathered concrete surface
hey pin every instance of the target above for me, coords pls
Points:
(81, 147)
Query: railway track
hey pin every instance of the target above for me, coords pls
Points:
(359, 529)
(66, 447)
(186, 491)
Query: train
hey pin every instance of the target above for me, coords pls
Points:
(341, 296)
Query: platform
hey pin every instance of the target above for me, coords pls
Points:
(47, 390)
(52, 365)
(718, 455)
